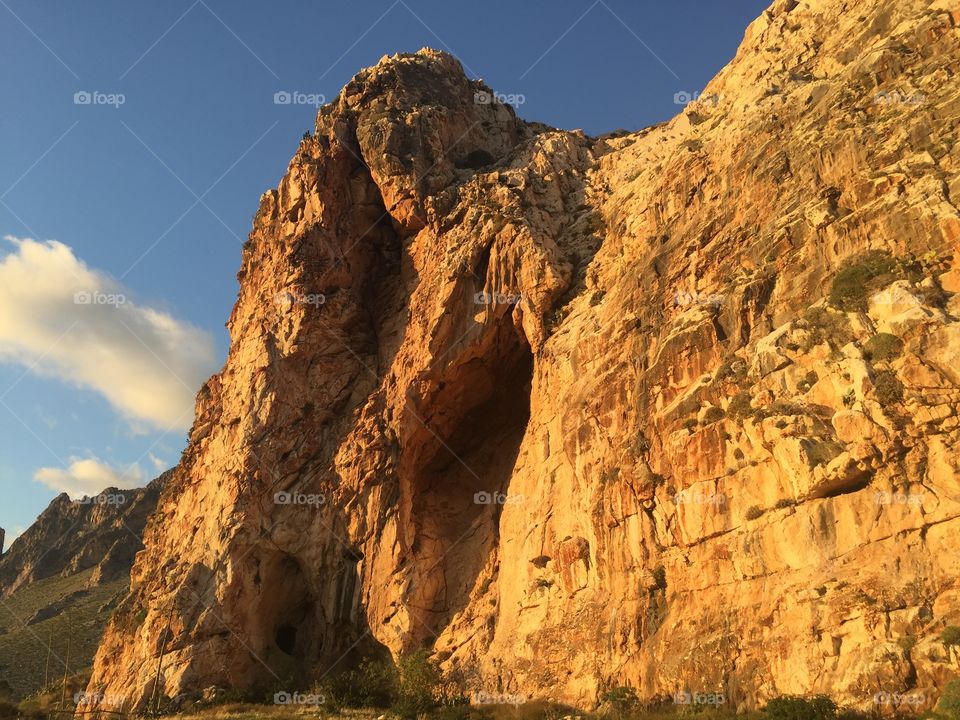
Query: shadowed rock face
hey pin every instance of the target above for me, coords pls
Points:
(71, 536)
(570, 411)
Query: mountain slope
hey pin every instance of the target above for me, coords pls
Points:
(575, 412)
(71, 536)
(60, 581)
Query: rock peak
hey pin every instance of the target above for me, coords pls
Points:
(584, 413)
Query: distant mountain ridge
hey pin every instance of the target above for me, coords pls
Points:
(72, 536)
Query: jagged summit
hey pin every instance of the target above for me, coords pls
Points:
(73, 535)
(579, 413)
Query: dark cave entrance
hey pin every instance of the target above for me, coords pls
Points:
(286, 639)
(458, 493)
(288, 609)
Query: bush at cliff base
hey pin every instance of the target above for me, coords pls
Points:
(949, 704)
(419, 680)
(819, 707)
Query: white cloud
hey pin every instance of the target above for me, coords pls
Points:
(159, 464)
(62, 319)
(88, 476)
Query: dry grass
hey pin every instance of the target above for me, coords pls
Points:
(23, 648)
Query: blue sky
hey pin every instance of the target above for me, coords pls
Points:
(142, 197)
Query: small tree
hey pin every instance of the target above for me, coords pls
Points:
(950, 635)
(419, 680)
(889, 388)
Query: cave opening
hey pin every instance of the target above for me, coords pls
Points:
(460, 489)
(286, 639)
(287, 609)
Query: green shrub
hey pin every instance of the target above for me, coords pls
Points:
(949, 703)
(819, 707)
(739, 406)
(660, 577)
(821, 452)
(460, 712)
(754, 512)
(950, 635)
(419, 680)
(372, 684)
(690, 424)
(854, 281)
(622, 701)
(882, 347)
(889, 389)
(826, 326)
(733, 369)
(785, 503)
(851, 714)
(907, 642)
(713, 414)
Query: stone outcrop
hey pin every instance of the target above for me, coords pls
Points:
(73, 535)
(576, 412)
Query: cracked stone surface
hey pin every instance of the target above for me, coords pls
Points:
(574, 412)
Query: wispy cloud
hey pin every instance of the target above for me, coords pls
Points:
(60, 318)
(88, 476)
(159, 464)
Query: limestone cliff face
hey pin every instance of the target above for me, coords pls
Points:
(573, 411)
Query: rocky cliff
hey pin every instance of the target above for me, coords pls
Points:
(674, 409)
(73, 535)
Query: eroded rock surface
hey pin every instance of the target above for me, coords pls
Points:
(574, 412)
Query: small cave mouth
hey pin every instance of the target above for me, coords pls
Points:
(287, 611)
(475, 160)
(286, 639)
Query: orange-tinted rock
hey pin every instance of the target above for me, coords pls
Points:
(499, 406)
